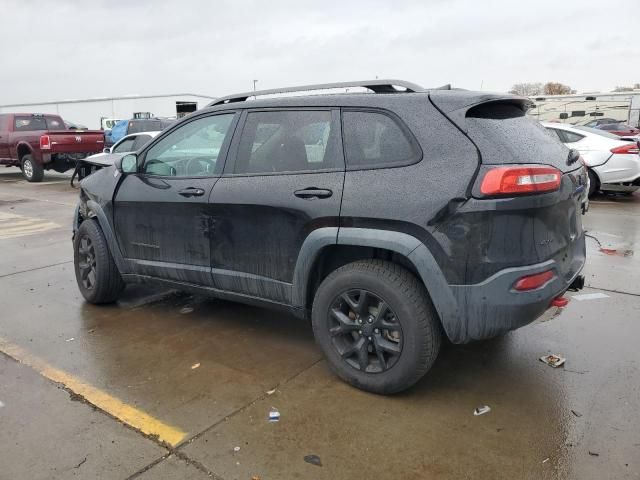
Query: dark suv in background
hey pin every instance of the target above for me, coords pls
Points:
(386, 218)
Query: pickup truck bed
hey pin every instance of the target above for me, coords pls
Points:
(36, 142)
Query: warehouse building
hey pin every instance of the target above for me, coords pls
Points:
(96, 113)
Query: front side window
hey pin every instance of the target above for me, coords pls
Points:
(140, 141)
(287, 141)
(375, 140)
(191, 150)
(126, 145)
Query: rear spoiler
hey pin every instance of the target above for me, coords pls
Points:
(455, 105)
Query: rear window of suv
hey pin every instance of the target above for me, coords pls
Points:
(375, 140)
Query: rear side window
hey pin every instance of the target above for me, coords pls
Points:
(375, 140)
(570, 137)
(287, 141)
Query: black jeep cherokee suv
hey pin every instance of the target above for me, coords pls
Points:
(385, 217)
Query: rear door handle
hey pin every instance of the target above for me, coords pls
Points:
(191, 192)
(312, 192)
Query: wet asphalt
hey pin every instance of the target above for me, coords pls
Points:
(213, 370)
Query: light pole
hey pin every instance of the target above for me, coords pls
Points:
(254, 85)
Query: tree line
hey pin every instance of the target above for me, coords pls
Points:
(532, 89)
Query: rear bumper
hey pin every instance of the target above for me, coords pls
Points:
(492, 307)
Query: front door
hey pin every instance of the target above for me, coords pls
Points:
(283, 180)
(160, 213)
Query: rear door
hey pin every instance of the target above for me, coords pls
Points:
(284, 179)
(161, 216)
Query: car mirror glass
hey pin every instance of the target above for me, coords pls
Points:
(129, 163)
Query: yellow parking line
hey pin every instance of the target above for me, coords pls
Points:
(113, 406)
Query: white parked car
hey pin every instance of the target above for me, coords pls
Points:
(127, 144)
(613, 163)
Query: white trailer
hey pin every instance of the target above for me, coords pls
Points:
(579, 109)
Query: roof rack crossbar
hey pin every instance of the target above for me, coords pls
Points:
(377, 86)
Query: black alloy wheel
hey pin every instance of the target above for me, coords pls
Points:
(365, 331)
(87, 262)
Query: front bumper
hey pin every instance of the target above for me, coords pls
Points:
(492, 307)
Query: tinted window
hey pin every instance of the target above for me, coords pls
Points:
(191, 150)
(140, 141)
(375, 140)
(286, 141)
(125, 145)
(570, 137)
(32, 123)
(555, 133)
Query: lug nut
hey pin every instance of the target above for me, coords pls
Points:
(370, 320)
(359, 332)
(377, 331)
(369, 338)
(360, 321)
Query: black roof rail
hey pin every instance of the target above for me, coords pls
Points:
(377, 86)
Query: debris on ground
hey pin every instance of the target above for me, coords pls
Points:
(482, 410)
(255, 477)
(271, 392)
(185, 310)
(554, 361)
(594, 454)
(1, 404)
(81, 463)
(274, 415)
(576, 413)
(91, 330)
(313, 460)
(194, 366)
(236, 449)
(70, 339)
(545, 460)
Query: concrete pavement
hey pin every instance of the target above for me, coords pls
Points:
(166, 385)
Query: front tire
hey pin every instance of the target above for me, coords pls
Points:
(376, 326)
(97, 276)
(32, 171)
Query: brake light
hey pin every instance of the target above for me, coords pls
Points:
(531, 282)
(631, 148)
(45, 142)
(520, 180)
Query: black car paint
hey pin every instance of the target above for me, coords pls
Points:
(425, 212)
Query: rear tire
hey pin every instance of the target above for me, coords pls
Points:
(98, 277)
(32, 171)
(354, 334)
(594, 184)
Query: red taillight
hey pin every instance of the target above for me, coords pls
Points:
(45, 142)
(631, 148)
(531, 282)
(519, 180)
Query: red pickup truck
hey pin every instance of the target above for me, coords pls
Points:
(37, 142)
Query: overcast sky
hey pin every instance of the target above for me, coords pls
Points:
(78, 49)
